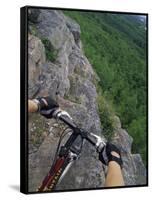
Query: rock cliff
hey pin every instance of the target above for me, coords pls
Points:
(58, 67)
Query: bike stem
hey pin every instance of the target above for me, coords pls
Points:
(92, 138)
(64, 159)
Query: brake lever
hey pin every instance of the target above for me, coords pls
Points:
(64, 113)
(58, 113)
(97, 141)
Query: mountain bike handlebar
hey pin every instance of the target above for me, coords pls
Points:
(69, 152)
(95, 140)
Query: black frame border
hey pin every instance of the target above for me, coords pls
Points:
(23, 100)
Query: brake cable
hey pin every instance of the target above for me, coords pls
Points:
(59, 143)
(69, 152)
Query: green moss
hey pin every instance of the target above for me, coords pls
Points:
(51, 53)
(33, 31)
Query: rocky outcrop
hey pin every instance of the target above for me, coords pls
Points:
(69, 79)
(36, 59)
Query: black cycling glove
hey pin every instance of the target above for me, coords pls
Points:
(46, 106)
(105, 155)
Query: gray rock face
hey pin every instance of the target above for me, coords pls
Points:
(36, 59)
(33, 15)
(133, 169)
(71, 77)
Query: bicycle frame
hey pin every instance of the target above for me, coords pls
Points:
(68, 154)
(54, 174)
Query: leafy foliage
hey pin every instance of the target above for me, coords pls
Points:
(115, 44)
(106, 117)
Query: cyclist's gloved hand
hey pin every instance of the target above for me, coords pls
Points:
(47, 106)
(110, 153)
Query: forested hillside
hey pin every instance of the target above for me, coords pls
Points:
(115, 45)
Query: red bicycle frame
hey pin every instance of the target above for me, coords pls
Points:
(68, 153)
(54, 174)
